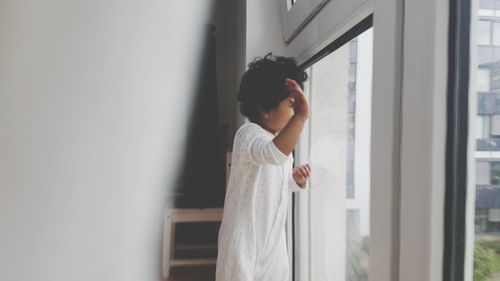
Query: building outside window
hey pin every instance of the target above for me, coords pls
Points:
(487, 154)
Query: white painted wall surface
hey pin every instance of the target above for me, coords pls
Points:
(94, 99)
(263, 32)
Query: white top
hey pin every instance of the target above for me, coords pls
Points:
(252, 240)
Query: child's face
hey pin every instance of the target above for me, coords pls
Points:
(278, 117)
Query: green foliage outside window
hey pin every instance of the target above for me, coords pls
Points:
(357, 261)
(486, 259)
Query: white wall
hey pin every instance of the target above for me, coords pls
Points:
(263, 32)
(94, 98)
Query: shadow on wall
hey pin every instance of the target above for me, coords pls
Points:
(202, 179)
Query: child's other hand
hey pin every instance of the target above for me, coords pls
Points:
(301, 174)
(300, 105)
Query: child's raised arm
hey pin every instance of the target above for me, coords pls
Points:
(286, 140)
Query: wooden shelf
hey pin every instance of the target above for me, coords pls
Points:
(190, 262)
(195, 247)
(174, 216)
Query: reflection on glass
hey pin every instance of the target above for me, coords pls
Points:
(487, 205)
(339, 210)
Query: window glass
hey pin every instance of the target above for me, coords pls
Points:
(339, 210)
(482, 173)
(496, 33)
(483, 80)
(495, 125)
(495, 173)
(486, 12)
(486, 253)
(484, 32)
(479, 127)
(483, 127)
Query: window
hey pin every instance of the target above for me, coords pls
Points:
(495, 173)
(495, 125)
(487, 172)
(339, 135)
(483, 127)
(409, 246)
(483, 80)
(482, 173)
(484, 32)
(484, 238)
(486, 12)
(496, 33)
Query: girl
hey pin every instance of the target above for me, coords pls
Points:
(252, 243)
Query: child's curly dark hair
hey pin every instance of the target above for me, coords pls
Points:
(262, 86)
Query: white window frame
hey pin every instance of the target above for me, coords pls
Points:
(322, 22)
(296, 17)
(423, 145)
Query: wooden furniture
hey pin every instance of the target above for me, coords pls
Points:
(173, 216)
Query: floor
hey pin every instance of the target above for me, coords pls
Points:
(198, 273)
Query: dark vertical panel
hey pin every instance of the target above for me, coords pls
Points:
(203, 177)
(457, 135)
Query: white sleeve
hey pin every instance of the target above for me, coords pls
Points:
(261, 148)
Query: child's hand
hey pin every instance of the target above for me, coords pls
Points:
(301, 174)
(300, 105)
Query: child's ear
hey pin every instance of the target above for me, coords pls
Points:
(263, 113)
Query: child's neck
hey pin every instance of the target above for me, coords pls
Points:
(265, 127)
